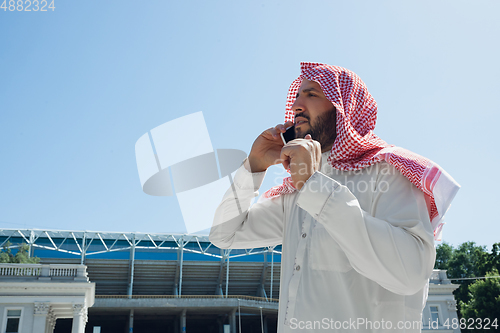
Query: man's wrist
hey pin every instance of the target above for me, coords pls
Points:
(255, 166)
(246, 179)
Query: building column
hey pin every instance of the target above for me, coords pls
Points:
(452, 311)
(183, 321)
(51, 322)
(79, 318)
(40, 317)
(265, 324)
(131, 321)
(232, 320)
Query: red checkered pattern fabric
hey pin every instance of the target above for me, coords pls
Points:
(357, 147)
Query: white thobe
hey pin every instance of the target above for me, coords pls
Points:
(357, 247)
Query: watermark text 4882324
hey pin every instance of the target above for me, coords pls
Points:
(27, 5)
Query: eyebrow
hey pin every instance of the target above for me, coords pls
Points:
(308, 90)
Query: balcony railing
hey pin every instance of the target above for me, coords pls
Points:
(44, 272)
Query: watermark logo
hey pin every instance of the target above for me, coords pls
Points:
(354, 324)
(177, 158)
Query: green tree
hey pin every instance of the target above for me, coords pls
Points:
(466, 261)
(493, 259)
(21, 257)
(6, 255)
(484, 300)
(444, 252)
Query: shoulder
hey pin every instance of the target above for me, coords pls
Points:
(378, 172)
(385, 179)
(386, 172)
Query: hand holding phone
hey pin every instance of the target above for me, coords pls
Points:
(267, 147)
(289, 135)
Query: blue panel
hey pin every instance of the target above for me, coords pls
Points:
(40, 253)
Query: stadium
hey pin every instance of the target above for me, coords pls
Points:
(146, 282)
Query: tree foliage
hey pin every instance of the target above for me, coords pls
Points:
(444, 253)
(484, 299)
(21, 256)
(476, 298)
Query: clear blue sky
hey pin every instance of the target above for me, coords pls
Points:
(80, 84)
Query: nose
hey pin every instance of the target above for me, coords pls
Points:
(298, 106)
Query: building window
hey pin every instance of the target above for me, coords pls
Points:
(13, 320)
(435, 315)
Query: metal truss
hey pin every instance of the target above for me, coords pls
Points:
(88, 243)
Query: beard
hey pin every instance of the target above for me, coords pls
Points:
(323, 129)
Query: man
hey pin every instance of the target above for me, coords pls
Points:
(356, 219)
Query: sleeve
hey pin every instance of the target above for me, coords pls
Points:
(393, 244)
(237, 225)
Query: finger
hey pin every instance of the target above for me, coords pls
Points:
(284, 155)
(284, 158)
(273, 132)
(280, 128)
(308, 137)
(286, 164)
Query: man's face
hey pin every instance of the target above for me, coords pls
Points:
(315, 115)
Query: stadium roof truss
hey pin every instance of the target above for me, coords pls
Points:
(176, 249)
(88, 243)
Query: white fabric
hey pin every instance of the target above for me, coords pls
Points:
(357, 246)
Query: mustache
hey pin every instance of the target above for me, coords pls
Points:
(301, 115)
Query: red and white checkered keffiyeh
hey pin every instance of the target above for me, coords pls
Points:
(357, 147)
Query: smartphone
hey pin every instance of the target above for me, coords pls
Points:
(289, 135)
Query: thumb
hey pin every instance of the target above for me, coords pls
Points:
(308, 137)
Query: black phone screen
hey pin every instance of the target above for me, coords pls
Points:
(289, 135)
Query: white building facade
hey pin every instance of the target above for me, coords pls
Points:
(34, 296)
(440, 312)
